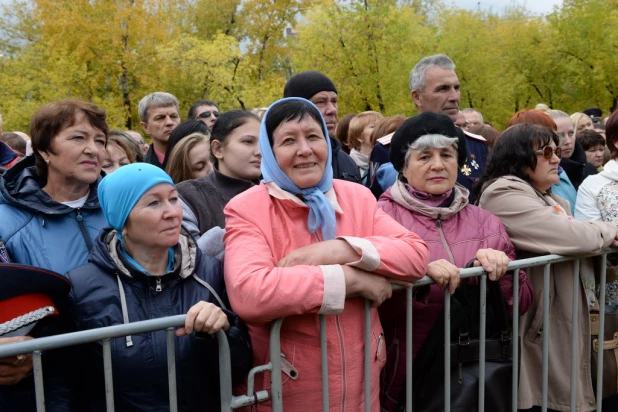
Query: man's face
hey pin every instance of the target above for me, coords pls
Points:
(327, 103)
(473, 119)
(461, 121)
(161, 123)
(441, 93)
(207, 115)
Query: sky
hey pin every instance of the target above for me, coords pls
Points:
(498, 6)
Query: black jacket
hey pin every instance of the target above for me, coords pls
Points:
(151, 157)
(576, 167)
(344, 168)
(140, 370)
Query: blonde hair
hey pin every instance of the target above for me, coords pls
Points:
(178, 166)
(358, 124)
(576, 118)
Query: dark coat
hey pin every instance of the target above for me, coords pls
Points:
(140, 371)
(151, 157)
(576, 167)
(344, 168)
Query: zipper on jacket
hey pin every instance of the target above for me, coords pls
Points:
(448, 249)
(82, 228)
(158, 288)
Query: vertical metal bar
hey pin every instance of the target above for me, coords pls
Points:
(109, 380)
(482, 327)
(515, 341)
(546, 272)
(601, 333)
(447, 351)
(171, 369)
(367, 373)
(275, 360)
(225, 372)
(575, 336)
(37, 367)
(409, 381)
(324, 351)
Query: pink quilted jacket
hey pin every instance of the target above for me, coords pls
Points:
(466, 229)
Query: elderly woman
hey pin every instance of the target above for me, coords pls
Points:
(427, 151)
(516, 187)
(297, 245)
(144, 267)
(49, 208)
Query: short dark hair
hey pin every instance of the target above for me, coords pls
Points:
(514, 152)
(291, 110)
(611, 133)
(226, 124)
(589, 138)
(181, 131)
(52, 118)
(192, 111)
(15, 141)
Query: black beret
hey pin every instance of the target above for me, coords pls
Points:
(594, 113)
(421, 125)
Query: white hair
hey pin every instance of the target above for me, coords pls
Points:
(417, 75)
(471, 110)
(428, 142)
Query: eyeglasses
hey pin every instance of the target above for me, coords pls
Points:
(549, 151)
(206, 115)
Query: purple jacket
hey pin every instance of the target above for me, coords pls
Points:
(453, 233)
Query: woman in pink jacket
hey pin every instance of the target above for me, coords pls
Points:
(427, 150)
(297, 245)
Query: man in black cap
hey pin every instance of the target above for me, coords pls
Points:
(321, 91)
(595, 115)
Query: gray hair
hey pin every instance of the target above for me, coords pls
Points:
(471, 110)
(430, 141)
(156, 99)
(557, 114)
(417, 75)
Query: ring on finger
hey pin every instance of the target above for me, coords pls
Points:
(21, 359)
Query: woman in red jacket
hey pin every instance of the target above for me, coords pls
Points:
(427, 151)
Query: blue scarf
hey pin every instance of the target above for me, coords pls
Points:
(137, 266)
(321, 211)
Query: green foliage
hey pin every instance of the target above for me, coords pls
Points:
(236, 53)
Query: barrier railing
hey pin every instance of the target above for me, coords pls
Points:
(230, 402)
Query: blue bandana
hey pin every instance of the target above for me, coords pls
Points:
(322, 212)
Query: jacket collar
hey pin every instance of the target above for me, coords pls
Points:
(402, 197)
(229, 186)
(20, 186)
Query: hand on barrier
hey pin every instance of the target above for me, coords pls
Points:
(204, 317)
(445, 274)
(15, 368)
(494, 262)
(372, 287)
(615, 242)
(329, 252)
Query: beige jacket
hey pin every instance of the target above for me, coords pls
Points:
(537, 228)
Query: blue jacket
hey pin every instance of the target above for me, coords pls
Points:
(40, 232)
(140, 370)
(565, 189)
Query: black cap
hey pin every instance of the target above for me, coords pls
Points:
(421, 125)
(308, 84)
(594, 113)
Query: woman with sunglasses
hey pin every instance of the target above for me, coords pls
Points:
(516, 187)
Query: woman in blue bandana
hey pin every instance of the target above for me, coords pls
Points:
(297, 245)
(143, 267)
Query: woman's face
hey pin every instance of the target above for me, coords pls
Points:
(433, 170)
(199, 160)
(78, 155)
(566, 133)
(546, 172)
(584, 123)
(594, 155)
(154, 222)
(366, 136)
(240, 156)
(301, 151)
(115, 158)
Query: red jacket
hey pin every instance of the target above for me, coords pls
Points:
(466, 229)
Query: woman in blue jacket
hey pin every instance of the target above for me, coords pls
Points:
(49, 210)
(146, 267)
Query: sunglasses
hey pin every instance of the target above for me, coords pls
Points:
(206, 115)
(549, 151)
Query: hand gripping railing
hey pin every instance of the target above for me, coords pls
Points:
(514, 266)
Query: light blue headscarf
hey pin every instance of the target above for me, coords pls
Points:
(322, 212)
(120, 191)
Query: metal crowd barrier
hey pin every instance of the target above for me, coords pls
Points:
(230, 402)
